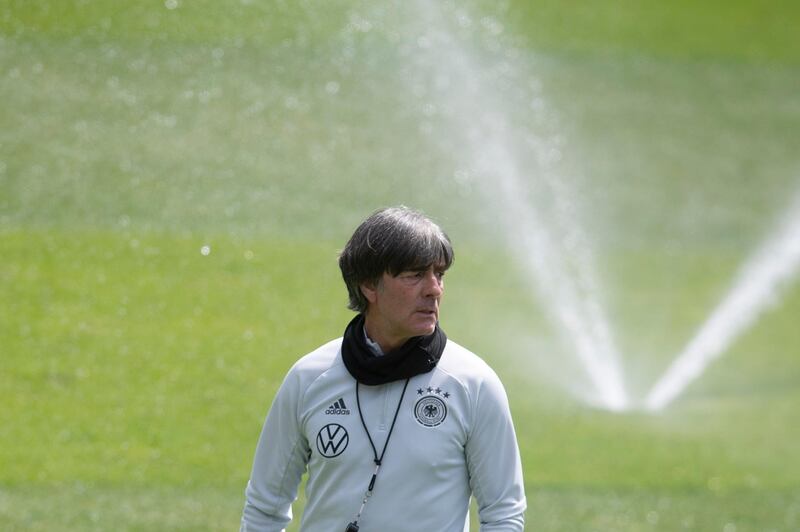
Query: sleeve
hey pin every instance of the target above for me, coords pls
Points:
(494, 463)
(280, 461)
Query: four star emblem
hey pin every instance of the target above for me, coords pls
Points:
(437, 391)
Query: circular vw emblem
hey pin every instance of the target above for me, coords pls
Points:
(430, 411)
(332, 440)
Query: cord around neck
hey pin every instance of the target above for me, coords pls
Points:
(379, 459)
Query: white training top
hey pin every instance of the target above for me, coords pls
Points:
(453, 437)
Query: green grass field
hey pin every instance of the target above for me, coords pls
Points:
(177, 177)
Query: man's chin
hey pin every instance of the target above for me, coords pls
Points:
(425, 330)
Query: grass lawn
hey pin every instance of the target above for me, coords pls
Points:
(177, 177)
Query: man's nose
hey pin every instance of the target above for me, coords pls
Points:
(434, 284)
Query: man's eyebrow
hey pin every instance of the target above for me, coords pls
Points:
(411, 270)
(434, 267)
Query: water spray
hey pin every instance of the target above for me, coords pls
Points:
(754, 290)
(563, 275)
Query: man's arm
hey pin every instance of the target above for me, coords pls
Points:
(279, 463)
(494, 463)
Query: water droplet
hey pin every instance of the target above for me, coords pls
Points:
(291, 102)
(168, 121)
(332, 87)
(729, 527)
(248, 255)
(205, 250)
(171, 4)
(493, 25)
(360, 24)
(464, 19)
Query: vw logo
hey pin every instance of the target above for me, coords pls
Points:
(332, 440)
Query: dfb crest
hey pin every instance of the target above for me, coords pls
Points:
(430, 411)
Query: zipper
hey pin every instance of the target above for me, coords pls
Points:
(385, 415)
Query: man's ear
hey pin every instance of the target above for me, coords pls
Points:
(369, 290)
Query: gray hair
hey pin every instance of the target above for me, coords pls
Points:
(391, 240)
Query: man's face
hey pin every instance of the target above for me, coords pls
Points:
(404, 306)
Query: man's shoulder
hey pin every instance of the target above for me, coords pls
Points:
(319, 360)
(463, 364)
(476, 378)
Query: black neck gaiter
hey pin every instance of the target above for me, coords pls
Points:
(418, 355)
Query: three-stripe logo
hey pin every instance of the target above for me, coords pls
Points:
(338, 409)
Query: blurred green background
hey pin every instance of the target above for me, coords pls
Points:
(177, 177)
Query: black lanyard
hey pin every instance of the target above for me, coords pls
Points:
(353, 527)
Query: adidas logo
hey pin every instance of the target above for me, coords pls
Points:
(338, 409)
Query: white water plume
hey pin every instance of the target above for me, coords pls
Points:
(755, 289)
(553, 249)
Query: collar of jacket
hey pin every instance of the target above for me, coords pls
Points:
(418, 355)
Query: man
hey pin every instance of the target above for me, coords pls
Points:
(396, 424)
